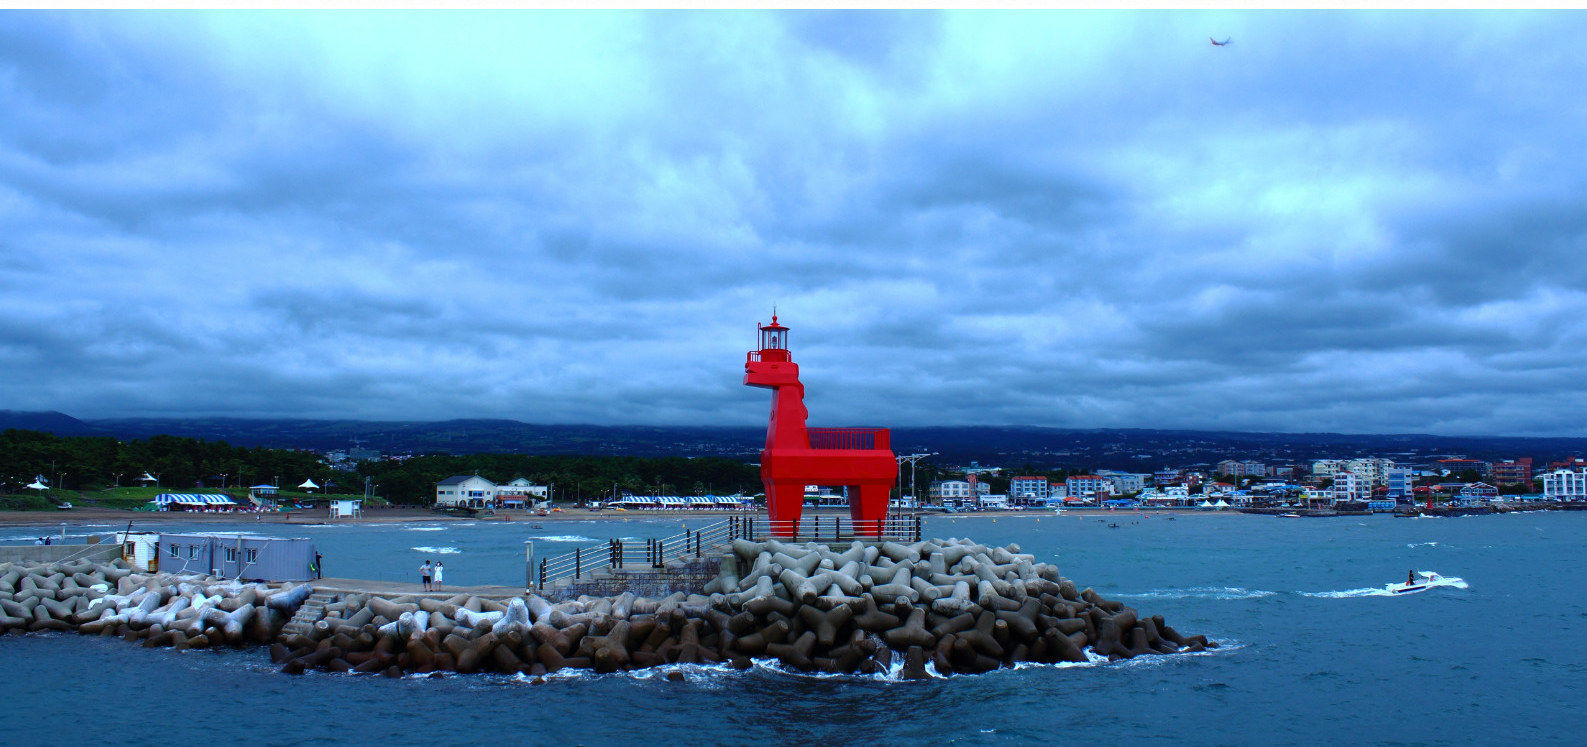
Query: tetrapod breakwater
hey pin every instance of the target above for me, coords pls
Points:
(907, 610)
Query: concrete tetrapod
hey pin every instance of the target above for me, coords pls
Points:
(950, 605)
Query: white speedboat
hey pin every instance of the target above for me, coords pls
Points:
(1426, 580)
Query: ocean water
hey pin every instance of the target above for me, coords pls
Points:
(1311, 654)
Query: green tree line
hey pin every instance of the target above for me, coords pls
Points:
(83, 463)
(573, 478)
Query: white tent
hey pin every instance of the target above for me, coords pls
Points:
(1204, 504)
(148, 478)
(1221, 504)
(308, 485)
(36, 486)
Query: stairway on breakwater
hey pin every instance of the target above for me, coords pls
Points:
(311, 611)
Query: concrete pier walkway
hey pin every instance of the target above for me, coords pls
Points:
(415, 589)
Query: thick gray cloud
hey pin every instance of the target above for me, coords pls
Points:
(1344, 221)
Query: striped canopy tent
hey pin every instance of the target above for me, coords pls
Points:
(702, 501)
(193, 500)
(673, 501)
(726, 500)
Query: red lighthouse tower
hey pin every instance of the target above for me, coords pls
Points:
(860, 459)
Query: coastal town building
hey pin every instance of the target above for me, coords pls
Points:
(955, 491)
(1235, 468)
(263, 495)
(1457, 466)
(465, 491)
(1513, 472)
(1400, 481)
(1125, 483)
(1349, 486)
(1088, 488)
(1565, 485)
(1476, 491)
(520, 491)
(1027, 489)
(1371, 471)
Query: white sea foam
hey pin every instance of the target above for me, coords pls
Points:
(713, 676)
(1203, 592)
(1375, 591)
(563, 538)
(438, 550)
(1422, 544)
(424, 529)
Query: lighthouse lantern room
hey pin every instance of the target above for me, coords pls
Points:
(773, 341)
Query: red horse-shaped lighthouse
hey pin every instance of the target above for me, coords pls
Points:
(860, 459)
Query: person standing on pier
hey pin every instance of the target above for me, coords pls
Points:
(439, 570)
(424, 574)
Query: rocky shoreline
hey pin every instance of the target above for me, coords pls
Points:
(952, 606)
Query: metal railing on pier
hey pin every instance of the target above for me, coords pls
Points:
(657, 552)
(868, 439)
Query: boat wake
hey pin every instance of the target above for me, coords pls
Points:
(1376, 591)
(1203, 592)
(1384, 591)
(438, 550)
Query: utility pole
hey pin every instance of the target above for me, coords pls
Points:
(912, 459)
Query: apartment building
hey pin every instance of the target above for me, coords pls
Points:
(1565, 485)
(1125, 482)
(1513, 472)
(1349, 486)
(1088, 487)
(1457, 466)
(1400, 481)
(1236, 468)
(1027, 488)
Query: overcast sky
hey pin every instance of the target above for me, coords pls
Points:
(1342, 221)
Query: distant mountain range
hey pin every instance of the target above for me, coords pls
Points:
(1012, 447)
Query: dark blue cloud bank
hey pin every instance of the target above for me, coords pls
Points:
(1345, 221)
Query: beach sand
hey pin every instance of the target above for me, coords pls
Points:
(91, 515)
